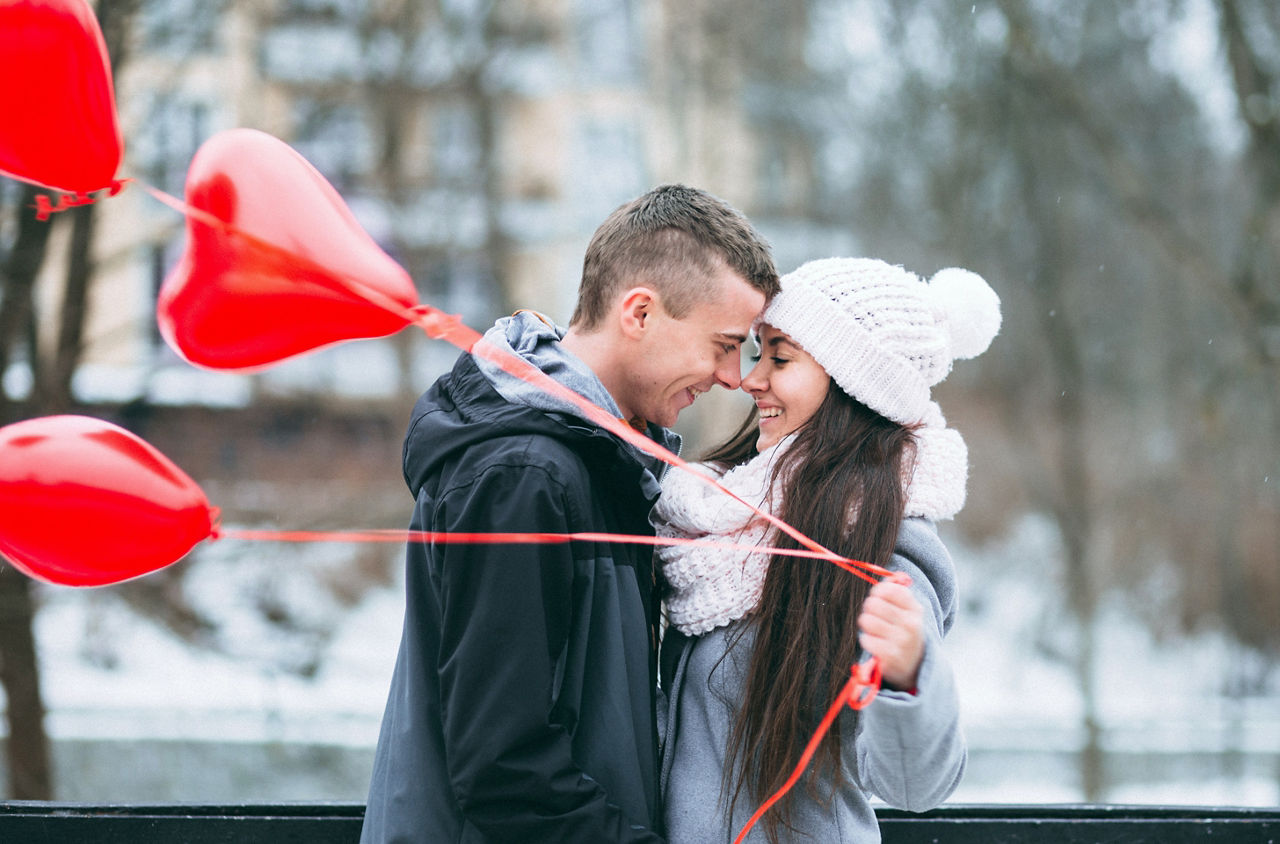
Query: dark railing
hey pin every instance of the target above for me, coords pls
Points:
(339, 823)
(1081, 824)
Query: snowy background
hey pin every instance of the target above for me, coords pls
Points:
(922, 160)
(137, 715)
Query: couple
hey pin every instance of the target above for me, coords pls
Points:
(524, 705)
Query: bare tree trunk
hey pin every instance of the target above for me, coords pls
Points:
(30, 772)
(52, 393)
(1070, 498)
(1072, 508)
(27, 750)
(497, 244)
(20, 270)
(1074, 515)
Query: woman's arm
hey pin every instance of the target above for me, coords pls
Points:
(910, 750)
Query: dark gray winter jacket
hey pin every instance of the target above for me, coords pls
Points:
(522, 703)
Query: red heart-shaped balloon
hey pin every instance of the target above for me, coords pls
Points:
(59, 126)
(275, 262)
(85, 503)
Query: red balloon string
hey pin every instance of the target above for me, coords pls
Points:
(866, 571)
(864, 681)
(856, 694)
(191, 211)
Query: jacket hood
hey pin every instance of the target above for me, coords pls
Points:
(534, 337)
(464, 407)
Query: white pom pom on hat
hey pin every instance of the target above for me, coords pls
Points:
(884, 335)
(970, 308)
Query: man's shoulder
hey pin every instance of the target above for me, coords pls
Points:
(526, 448)
(536, 457)
(462, 428)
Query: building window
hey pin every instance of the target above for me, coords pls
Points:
(168, 138)
(334, 138)
(608, 41)
(455, 147)
(180, 27)
(607, 168)
(311, 52)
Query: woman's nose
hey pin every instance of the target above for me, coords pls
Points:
(754, 381)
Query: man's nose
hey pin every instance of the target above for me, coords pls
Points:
(729, 373)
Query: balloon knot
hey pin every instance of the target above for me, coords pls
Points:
(215, 523)
(46, 209)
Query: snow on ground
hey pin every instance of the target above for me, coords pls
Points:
(1011, 641)
(110, 676)
(1170, 735)
(156, 686)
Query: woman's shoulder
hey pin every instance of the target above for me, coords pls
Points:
(921, 553)
(919, 536)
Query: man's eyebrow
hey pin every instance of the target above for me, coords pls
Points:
(726, 335)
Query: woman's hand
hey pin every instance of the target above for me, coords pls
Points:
(892, 629)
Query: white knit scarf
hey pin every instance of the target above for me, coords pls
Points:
(713, 587)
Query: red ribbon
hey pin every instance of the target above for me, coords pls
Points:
(866, 571)
(863, 685)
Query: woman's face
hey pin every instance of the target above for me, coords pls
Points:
(787, 384)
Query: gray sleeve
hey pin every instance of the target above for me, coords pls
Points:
(910, 750)
(922, 556)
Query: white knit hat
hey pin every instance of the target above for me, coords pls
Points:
(885, 336)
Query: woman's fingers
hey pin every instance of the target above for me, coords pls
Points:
(894, 595)
(891, 629)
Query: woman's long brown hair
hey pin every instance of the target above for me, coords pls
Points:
(845, 461)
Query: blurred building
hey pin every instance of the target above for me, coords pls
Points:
(479, 143)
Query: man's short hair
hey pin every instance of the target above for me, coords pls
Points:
(670, 239)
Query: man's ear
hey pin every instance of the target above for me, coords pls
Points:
(637, 310)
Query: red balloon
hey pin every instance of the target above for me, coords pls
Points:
(85, 503)
(275, 263)
(58, 124)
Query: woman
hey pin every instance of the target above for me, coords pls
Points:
(845, 445)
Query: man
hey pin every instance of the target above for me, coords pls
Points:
(522, 704)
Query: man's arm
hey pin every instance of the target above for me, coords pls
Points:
(505, 613)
